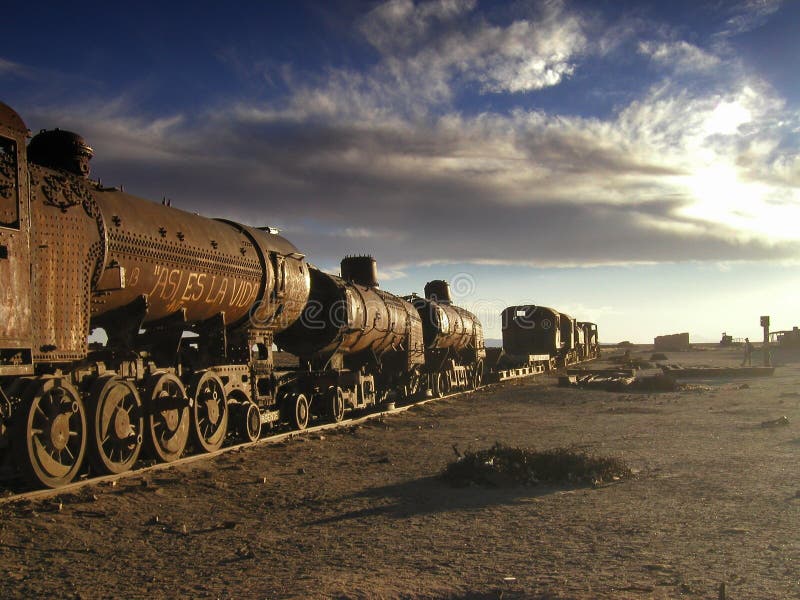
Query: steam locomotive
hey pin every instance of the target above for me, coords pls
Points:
(191, 308)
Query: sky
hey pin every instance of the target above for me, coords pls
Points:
(635, 164)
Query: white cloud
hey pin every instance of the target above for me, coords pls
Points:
(681, 56)
(426, 48)
(746, 15)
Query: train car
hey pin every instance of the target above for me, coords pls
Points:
(454, 344)
(357, 344)
(569, 340)
(532, 330)
(590, 348)
(532, 334)
(190, 307)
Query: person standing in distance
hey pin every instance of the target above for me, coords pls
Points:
(748, 353)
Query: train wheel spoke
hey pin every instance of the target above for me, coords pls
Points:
(167, 417)
(210, 412)
(117, 418)
(50, 432)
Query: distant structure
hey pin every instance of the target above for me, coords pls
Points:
(676, 342)
(786, 339)
(727, 340)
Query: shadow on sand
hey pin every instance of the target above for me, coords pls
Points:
(430, 495)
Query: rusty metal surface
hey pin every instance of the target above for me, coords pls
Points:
(12, 122)
(362, 270)
(446, 326)
(347, 318)
(15, 295)
(184, 262)
(66, 254)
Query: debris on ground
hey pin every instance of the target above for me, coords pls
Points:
(627, 360)
(779, 422)
(615, 380)
(504, 466)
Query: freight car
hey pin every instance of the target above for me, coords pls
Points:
(358, 345)
(190, 307)
(454, 345)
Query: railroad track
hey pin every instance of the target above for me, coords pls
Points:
(271, 439)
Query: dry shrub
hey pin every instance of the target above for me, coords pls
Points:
(658, 356)
(502, 466)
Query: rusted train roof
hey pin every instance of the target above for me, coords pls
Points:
(10, 118)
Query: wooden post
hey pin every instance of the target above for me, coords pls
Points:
(765, 345)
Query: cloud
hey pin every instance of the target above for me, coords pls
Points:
(9, 68)
(681, 56)
(430, 46)
(746, 15)
(661, 180)
(384, 161)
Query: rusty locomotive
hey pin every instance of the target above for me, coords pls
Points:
(532, 329)
(539, 338)
(191, 308)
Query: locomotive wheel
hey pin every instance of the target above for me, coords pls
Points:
(116, 424)
(250, 422)
(300, 412)
(336, 404)
(50, 432)
(446, 384)
(209, 413)
(441, 384)
(167, 421)
(436, 384)
(477, 376)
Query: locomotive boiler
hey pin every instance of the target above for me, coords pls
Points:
(356, 343)
(190, 307)
(454, 344)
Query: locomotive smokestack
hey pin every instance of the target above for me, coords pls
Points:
(59, 149)
(439, 291)
(362, 270)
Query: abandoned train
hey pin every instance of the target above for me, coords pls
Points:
(192, 308)
(530, 330)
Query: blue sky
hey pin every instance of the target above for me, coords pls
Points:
(632, 163)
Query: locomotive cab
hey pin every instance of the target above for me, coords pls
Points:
(16, 352)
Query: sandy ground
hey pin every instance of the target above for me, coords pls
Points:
(361, 513)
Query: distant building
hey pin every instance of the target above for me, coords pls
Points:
(786, 339)
(677, 342)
